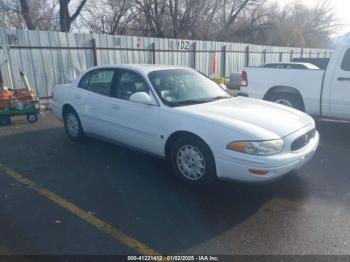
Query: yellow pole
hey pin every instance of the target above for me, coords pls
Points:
(27, 86)
(9, 69)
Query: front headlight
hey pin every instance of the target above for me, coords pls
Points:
(269, 147)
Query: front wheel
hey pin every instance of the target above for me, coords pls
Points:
(192, 161)
(73, 126)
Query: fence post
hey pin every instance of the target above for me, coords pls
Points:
(302, 53)
(153, 46)
(247, 56)
(94, 52)
(223, 61)
(281, 57)
(264, 56)
(318, 54)
(194, 47)
(310, 54)
(291, 56)
(325, 54)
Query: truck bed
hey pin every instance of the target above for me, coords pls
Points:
(308, 82)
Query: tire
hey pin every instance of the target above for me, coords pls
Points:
(192, 161)
(32, 118)
(73, 126)
(290, 100)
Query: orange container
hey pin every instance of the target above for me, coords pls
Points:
(5, 99)
(5, 94)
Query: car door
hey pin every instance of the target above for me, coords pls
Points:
(134, 124)
(93, 99)
(340, 88)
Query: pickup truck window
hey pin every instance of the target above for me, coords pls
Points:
(345, 65)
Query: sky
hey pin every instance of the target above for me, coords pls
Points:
(341, 8)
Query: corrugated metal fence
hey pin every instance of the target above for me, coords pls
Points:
(49, 58)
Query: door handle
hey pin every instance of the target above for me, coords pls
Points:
(115, 107)
(77, 96)
(343, 78)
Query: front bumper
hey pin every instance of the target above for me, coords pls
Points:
(234, 166)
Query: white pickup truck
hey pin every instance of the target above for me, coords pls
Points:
(317, 92)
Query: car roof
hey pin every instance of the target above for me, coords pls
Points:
(143, 68)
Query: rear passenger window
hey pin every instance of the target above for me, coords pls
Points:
(84, 82)
(345, 65)
(98, 81)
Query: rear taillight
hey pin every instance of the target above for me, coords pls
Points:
(244, 78)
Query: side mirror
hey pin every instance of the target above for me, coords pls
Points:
(142, 98)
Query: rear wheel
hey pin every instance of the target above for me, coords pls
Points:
(73, 126)
(192, 161)
(286, 99)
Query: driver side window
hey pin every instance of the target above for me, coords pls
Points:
(129, 83)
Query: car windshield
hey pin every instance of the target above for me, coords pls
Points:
(178, 87)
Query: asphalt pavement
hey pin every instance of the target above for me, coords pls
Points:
(59, 197)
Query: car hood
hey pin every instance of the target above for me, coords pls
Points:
(261, 119)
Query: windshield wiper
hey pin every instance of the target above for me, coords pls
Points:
(217, 98)
(188, 102)
(201, 101)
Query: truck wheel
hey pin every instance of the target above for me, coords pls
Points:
(73, 126)
(192, 161)
(290, 100)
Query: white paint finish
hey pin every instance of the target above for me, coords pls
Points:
(147, 127)
(335, 100)
(93, 111)
(307, 82)
(136, 125)
(339, 96)
(261, 119)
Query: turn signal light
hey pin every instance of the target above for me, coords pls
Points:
(259, 172)
(240, 147)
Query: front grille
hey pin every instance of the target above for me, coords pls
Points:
(303, 140)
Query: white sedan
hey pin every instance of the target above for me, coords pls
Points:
(178, 114)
